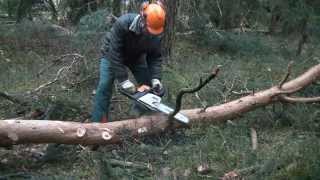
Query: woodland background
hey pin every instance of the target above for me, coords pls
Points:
(49, 57)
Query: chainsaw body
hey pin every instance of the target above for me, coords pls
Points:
(151, 101)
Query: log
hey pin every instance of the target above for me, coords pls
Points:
(43, 131)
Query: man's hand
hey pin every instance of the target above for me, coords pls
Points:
(128, 86)
(157, 86)
(143, 88)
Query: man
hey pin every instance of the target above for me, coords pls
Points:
(134, 44)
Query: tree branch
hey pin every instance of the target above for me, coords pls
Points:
(61, 132)
(126, 164)
(59, 59)
(10, 98)
(300, 99)
(192, 90)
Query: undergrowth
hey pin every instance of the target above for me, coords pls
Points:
(288, 134)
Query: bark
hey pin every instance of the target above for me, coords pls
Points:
(41, 131)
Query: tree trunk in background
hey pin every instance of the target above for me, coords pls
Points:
(227, 16)
(9, 9)
(116, 7)
(24, 9)
(169, 35)
(304, 35)
(20, 11)
(53, 10)
(275, 19)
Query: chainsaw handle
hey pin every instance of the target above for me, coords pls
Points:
(155, 90)
(159, 92)
(140, 93)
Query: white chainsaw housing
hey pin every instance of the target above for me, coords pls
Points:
(154, 103)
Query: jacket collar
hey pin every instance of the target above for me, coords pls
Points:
(135, 25)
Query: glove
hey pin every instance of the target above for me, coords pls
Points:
(157, 87)
(128, 86)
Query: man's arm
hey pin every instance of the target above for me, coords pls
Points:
(117, 36)
(154, 61)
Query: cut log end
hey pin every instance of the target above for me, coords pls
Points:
(106, 134)
(142, 130)
(81, 132)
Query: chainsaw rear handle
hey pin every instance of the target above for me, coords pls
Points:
(156, 91)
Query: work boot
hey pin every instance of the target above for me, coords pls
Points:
(104, 119)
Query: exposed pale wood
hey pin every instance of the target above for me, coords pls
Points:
(42, 131)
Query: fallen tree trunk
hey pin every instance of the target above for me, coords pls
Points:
(42, 131)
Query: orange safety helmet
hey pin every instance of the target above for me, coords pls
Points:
(154, 16)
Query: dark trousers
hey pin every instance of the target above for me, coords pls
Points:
(103, 96)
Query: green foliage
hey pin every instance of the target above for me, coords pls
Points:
(91, 30)
(234, 42)
(289, 16)
(76, 9)
(95, 22)
(9, 7)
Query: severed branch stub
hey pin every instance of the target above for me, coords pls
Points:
(191, 90)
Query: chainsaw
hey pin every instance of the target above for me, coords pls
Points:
(151, 100)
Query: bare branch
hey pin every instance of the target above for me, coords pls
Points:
(59, 59)
(220, 11)
(58, 75)
(116, 162)
(50, 82)
(241, 93)
(300, 99)
(193, 90)
(10, 98)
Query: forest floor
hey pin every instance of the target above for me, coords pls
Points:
(287, 134)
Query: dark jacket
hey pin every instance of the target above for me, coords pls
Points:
(126, 43)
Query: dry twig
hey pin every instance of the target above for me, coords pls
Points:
(254, 138)
(115, 162)
(58, 60)
(10, 98)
